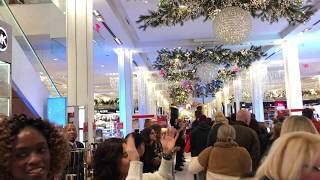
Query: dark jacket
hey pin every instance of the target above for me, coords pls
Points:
(212, 137)
(198, 139)
(147, 159)
(75, 165)
(248, 138)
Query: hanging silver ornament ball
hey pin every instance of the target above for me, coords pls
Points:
(232, 25)
(207, 72)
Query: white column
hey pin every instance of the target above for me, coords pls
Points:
(237, 93)
(80, 58)
(226, 99)
(257, 74)
(292, 75)
(142, 97)
(125, 88)
(210, 109)
(218, 101)
(152, 99)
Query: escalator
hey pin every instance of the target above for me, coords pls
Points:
(31, 81)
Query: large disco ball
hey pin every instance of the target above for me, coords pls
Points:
(207, 72)
(232, 25)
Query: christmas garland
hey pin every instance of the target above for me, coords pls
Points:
(179, 68)
(172, 12)
(106, 103)
(281, 94)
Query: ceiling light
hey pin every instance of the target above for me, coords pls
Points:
(115, 38)
(118, 41)
(102, 66)
(96, 13)
(306, 30)
(55, 59)
(100, 19)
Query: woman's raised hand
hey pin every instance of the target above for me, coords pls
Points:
(132, 150)
(168, 140)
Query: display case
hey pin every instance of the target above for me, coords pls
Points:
(5, 88)
(106, 123)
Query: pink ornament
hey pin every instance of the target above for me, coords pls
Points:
(235, 68)
(186, 84)
(162, 72)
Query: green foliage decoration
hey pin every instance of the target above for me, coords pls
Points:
(173, 12)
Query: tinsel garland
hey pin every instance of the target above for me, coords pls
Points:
(172, 12)
(178, 67)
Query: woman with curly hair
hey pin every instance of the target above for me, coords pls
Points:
(31, 149)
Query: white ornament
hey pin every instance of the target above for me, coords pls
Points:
(232, 25)
(207, 72)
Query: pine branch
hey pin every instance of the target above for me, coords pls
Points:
(171, 13)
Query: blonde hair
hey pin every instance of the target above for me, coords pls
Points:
(226, 133)
(302, 148)
(220, 118)
(297, 123)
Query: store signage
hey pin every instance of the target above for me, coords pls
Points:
(5, 42)
(104, 111)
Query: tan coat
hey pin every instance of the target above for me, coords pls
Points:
(225, 158)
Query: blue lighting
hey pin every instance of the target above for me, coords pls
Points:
(57, 110)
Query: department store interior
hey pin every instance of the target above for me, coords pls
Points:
(108, 66)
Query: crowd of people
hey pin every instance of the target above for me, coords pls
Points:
(34, 149)
(241, 148)
(221, 149)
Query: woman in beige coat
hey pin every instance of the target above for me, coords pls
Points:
(225, 160)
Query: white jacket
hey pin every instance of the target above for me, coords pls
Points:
(164, 173)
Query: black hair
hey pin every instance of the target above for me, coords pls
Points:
(138, 140)
(307, 112)
(156, 128)
(58, 145)
(107, 159)
(146, 135)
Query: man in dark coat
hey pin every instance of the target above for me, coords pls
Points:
(198, 140)
(199, 136)
(246, 137)
(76, 164)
